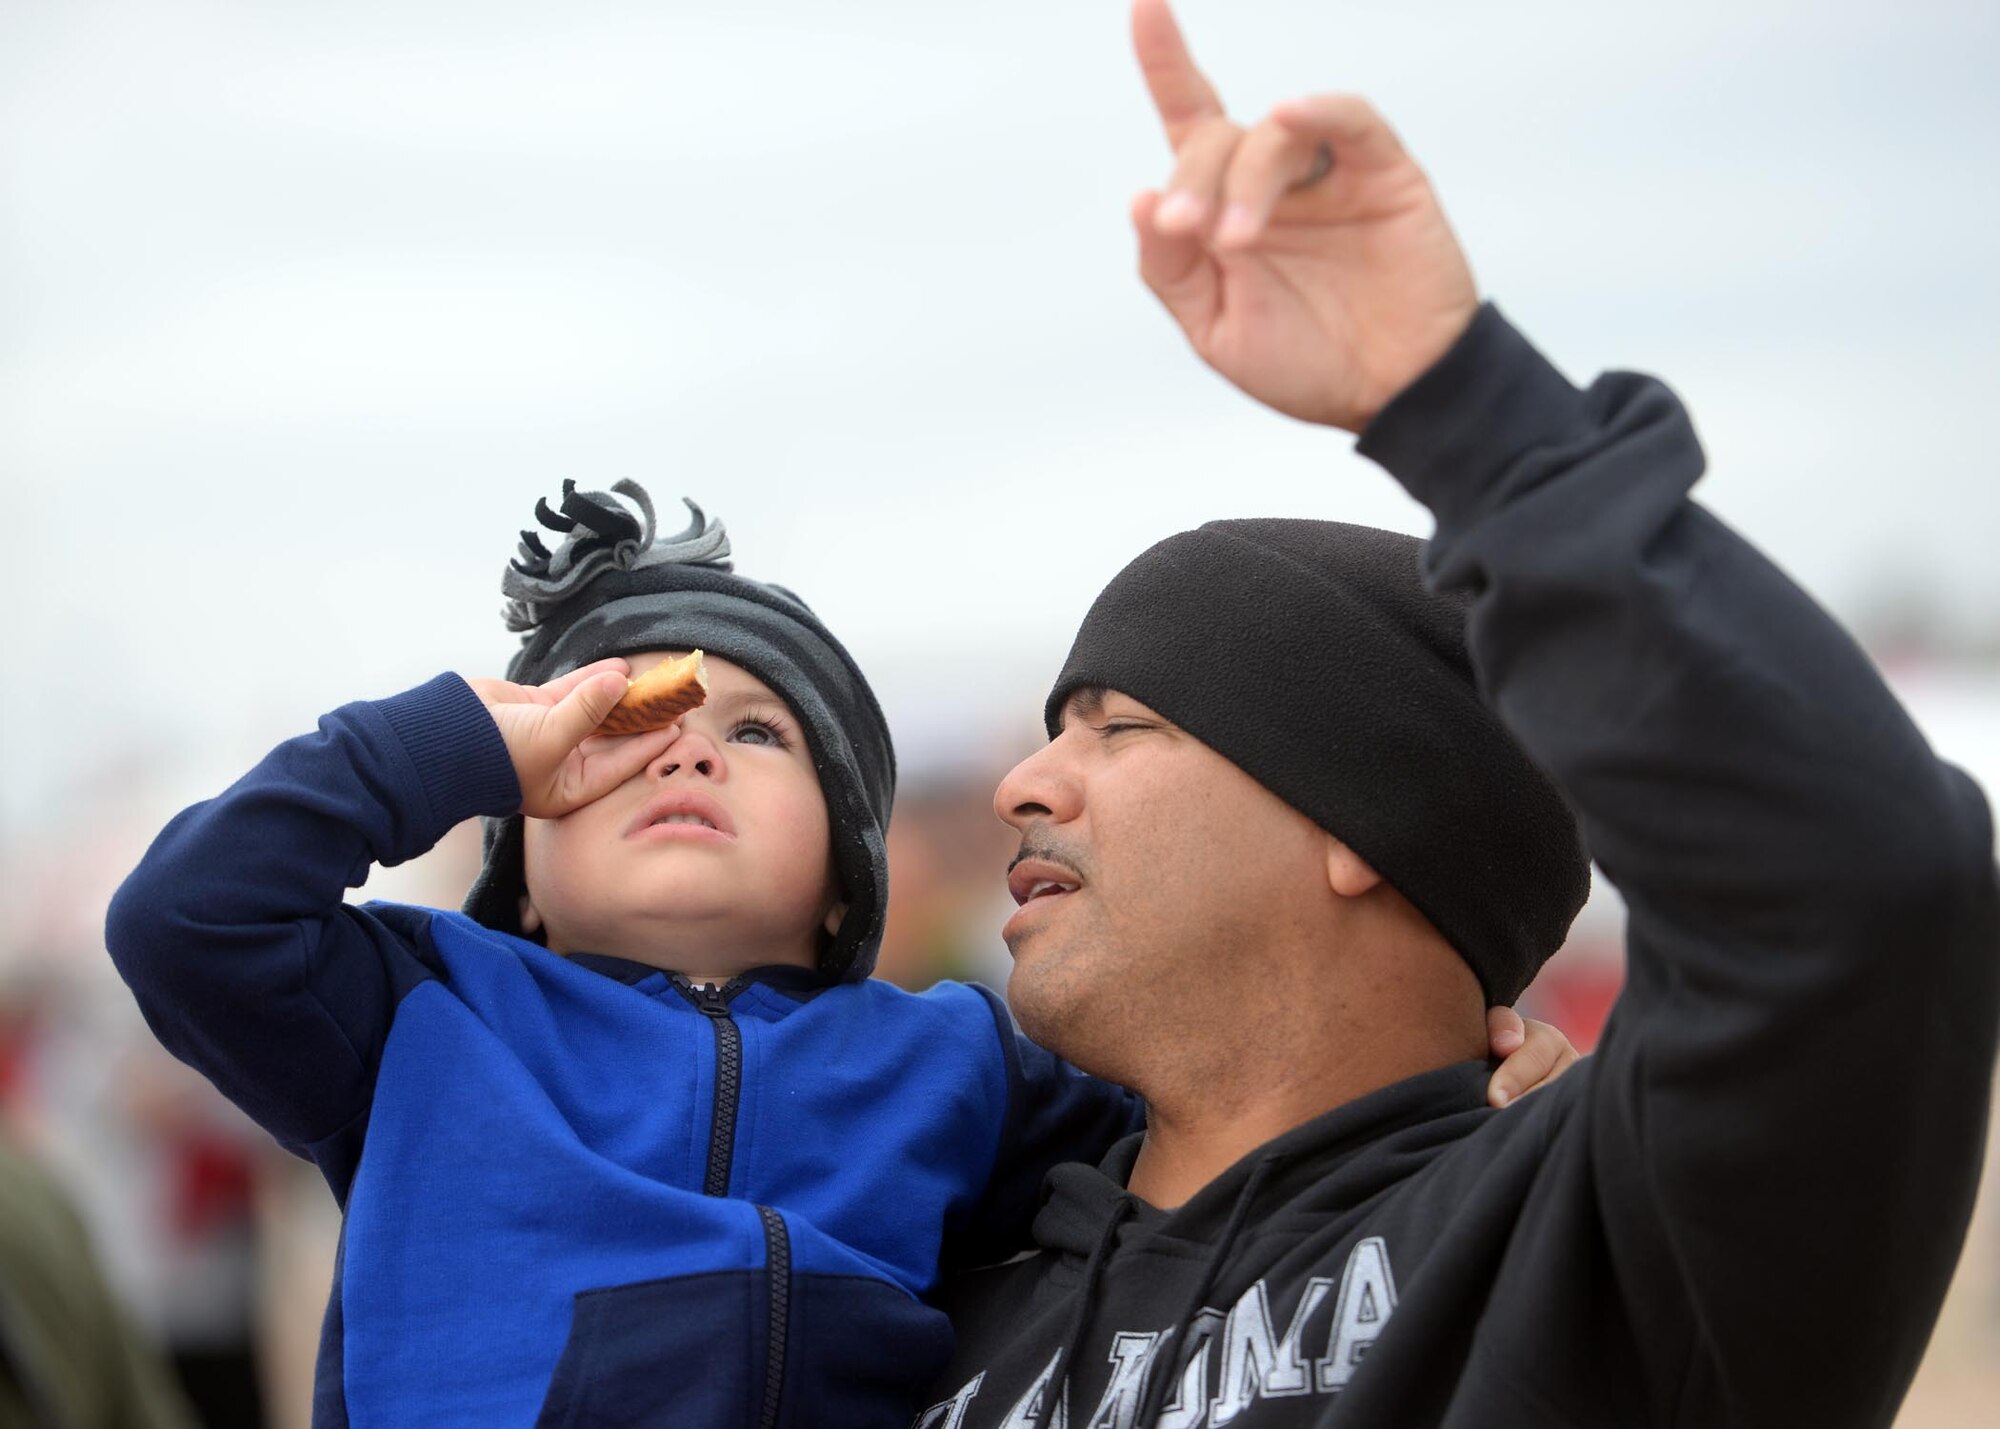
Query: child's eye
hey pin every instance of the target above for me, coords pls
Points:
(757, 731)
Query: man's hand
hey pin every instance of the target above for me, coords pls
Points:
(1535, 1052)
(1321, 298)
(548, 733)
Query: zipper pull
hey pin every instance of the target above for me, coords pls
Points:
(709, 997)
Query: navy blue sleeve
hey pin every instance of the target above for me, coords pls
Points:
(1055, 1113)
(1788, 1105)
(233, 935)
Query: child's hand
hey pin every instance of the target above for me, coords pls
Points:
(1536, 1054)
(548, 730)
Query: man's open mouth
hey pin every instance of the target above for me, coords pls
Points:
(1033, 879)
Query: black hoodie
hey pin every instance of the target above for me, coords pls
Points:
(1745, 1208)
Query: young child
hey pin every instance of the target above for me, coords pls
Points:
(632, 1139)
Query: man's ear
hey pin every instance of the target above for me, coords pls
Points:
(531, 916)
(1347, 873)
(835, 916)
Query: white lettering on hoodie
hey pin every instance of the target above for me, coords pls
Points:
(1254, 1361)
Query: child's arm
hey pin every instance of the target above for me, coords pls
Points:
(232, 931)
(1055, 1113)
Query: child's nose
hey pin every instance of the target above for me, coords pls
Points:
(691, 750)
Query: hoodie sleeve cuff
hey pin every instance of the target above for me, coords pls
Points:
(1451, 435)
(460, 760)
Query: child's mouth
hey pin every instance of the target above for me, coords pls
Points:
(682, 814)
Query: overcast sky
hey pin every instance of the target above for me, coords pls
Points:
(303, 305)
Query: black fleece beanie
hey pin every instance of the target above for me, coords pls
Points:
(1311, 655)
(611, 588)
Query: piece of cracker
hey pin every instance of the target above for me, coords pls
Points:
(659, 697)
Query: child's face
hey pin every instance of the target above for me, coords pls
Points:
(714, 858)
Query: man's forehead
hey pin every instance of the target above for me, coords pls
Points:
(1084, 702)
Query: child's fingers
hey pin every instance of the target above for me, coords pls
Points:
(1545, 1054)
(609, 760)
(632, 752)
(1505, 1032)
(586, 771)
(581, 708)
(558, 688)
(564, 763)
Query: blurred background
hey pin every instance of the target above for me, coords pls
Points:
(303, 306)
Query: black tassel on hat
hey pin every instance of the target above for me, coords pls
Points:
(1311, 655)
(613, 588)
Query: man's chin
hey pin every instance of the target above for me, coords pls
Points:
(1046, 1003)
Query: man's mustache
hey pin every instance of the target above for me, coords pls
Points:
(1038, 842)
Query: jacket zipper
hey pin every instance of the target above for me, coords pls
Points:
(713, 1002)
(778, 1277)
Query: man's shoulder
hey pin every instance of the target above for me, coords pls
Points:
(988, 1298)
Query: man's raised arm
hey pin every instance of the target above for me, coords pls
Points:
(1802, 873)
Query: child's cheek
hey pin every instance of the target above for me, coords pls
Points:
(808, 840)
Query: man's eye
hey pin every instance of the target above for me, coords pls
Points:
(1116, 727)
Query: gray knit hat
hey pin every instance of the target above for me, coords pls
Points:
(612, 588)
(1311, 655)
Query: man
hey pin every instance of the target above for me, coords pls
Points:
(1277, 855)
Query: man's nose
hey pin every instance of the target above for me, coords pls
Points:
(1042, 786)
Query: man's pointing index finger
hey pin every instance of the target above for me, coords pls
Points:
(1179, 92)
